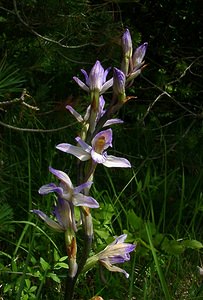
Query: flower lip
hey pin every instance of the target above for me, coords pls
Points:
(102, 140)
(99, 144)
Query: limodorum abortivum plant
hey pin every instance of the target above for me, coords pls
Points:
(90, 149)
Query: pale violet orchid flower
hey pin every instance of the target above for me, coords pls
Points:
(66, 191)
(100, 113)
(115, 253)
(96, 81)
(64, 215)
(96, 152)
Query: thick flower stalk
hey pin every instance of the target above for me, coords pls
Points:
(115, 253)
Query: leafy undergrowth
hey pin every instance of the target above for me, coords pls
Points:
(158, 204)
(164, 265)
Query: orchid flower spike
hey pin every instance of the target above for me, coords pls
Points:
(96, 152)
(67, 192)
(132, 61)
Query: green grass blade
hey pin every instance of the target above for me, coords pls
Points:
(159, 270)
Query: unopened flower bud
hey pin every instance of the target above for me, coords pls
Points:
(126, 42)
(138, 56)
(119, 80)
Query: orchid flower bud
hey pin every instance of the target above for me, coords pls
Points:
(138, 56)
(119, 84)
(126, 43)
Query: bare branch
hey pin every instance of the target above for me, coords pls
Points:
(186, 70)
(20, 100)
(152, 104)
(167, 94)
(35, 129)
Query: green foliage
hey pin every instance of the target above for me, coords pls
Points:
(6, 215)
(159, 240)
(11, 79)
